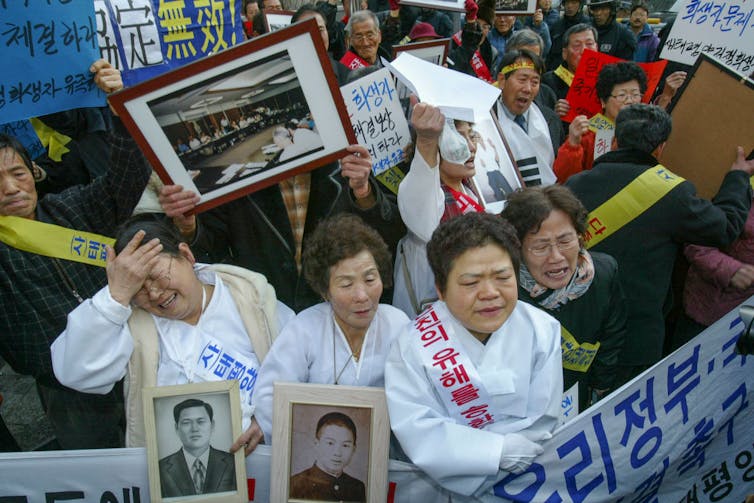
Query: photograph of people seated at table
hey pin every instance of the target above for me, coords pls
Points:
(241, 125)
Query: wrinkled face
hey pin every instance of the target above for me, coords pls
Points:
(481, 291)
(551, 253)
(575, 48)
(503, 23)
(171, 289)
(519, 89)
(354, 292)
(321, 25)
(18, 194)
(638, 18)
(601, 14)
(452, 173)
(571, 7)
(623, 95)
(365, 39)
(334, 448)
(194, 428)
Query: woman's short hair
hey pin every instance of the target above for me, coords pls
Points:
(336, 419)
(527, 208)
(155, 225)
(472, 230)
(617, 73)
(338, 238)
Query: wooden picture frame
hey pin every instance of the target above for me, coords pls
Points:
(515, 6)
(298, 410)
(277, 19)
(711, 116)
(496, 172)
(434, 51)
(451, 5)
(250, 114)
(170, 477)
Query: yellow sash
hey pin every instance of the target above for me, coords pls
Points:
(54, 141)
(576, 356)
(54, 241)
(630, 202)
(565, 74)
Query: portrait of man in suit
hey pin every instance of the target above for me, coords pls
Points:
(197, 467)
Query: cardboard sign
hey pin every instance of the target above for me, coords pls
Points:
(582, 95)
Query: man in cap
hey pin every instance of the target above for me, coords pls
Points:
(614, 38)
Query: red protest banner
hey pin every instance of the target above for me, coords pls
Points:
(582, 95)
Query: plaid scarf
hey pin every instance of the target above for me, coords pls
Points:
(553, 299)
(458, 203)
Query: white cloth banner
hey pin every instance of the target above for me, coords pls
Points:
(722, 29)
(681, 432)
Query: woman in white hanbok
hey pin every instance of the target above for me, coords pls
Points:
(346, 339)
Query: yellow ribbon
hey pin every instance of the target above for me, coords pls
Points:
(391, 178)
(565, 74)
(517, 65)
(599, 122)
(54, 241)
(54, 141)
(630, 202)
(578, 357)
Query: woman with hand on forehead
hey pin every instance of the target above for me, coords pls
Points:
(577, 287)
(164, 319)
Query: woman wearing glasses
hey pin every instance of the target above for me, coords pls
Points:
(577, 287)
(164, 319)
(618, 85)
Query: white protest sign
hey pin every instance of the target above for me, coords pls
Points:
(377, 118)
(457, 95)
(722, 29)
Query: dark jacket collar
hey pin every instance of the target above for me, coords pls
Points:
(627, 155)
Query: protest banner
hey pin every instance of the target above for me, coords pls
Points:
(582, 95)
(145, 38)
(724, 30)
(683, 431)
(47, 48)
(23, 131)
(378, 121)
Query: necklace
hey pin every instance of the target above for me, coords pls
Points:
(353, 356)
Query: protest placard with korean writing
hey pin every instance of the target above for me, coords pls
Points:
(46, 47)
(582, 95)
(723, 30)
(377, 118)
(145, 38)
(24, 132)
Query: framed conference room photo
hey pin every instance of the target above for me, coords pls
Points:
(340, 434)
(189, 431)
(242, 119)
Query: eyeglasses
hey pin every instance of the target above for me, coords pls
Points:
(563, 244)
(623, 97)
(361, 37)
(160, 283)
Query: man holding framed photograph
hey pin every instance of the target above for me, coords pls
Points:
(197, 467)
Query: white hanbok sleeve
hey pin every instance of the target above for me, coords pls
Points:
(92, 354)
(286, 361)
(421, 201)
(460, 458)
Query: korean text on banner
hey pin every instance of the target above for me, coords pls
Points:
(46, 48)
(377, 118)
(722, 29)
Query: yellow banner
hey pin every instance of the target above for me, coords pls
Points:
(578, 357)
(630, 202)
(599, 122)
(565, 74)
(54, 241)
(54, 141)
